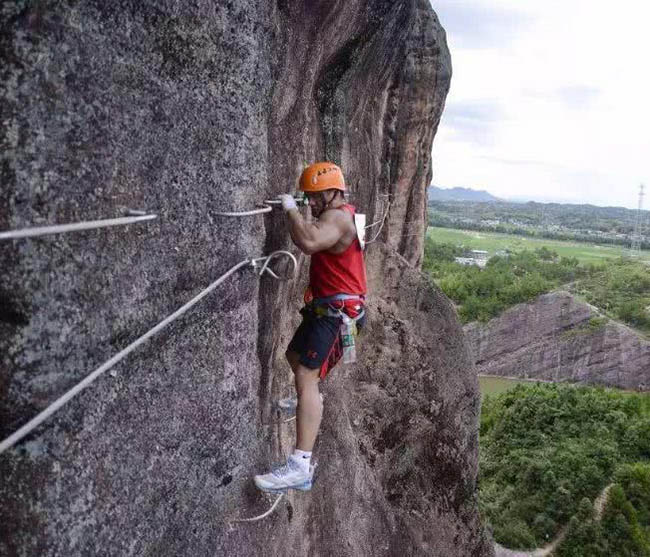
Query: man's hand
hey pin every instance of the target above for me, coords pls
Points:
(288, 202)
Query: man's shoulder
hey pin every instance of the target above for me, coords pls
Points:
(340, 217)
(335, 214)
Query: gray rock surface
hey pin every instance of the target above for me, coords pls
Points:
(185, 110)
(552, 339)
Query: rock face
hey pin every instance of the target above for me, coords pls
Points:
(186, 110)
(555, 339)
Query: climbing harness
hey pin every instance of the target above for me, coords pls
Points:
(133, 217)
(325, 307)
(261, 262)
(327, 310)
(337, 298)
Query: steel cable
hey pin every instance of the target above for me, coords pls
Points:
(52, 408)
(269, 207)
(72, 227)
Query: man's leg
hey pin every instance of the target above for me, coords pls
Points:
(298, 472)
(310, 405)
(310, 344)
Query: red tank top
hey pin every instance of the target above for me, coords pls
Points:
(338, 273)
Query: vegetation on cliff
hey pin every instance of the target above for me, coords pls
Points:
(484, 293)
(620, 287)
(545, 448)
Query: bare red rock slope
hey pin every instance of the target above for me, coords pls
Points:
(555, 338)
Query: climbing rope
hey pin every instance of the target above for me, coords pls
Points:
(52, 408)
(137, 216)
(381, 221)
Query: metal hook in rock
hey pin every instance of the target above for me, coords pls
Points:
(265, 266)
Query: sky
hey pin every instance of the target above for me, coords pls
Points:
(549, 100)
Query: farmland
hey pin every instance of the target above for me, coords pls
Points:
(493, 242)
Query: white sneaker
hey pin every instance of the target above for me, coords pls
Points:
(289, 476)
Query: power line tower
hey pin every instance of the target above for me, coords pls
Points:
(637, 237)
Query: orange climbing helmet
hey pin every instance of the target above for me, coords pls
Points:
(322, 176)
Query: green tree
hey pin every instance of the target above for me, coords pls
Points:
(622, 533)
(547, 447)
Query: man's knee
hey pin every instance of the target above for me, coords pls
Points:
(306, 378)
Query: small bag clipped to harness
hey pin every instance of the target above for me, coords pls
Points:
(348, 332)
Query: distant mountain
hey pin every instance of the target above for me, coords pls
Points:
(459, 194)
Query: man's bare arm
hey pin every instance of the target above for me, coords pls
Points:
(312, 237)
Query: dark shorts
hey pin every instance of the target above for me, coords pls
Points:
(318, 342)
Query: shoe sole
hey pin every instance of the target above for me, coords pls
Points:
(302, 487)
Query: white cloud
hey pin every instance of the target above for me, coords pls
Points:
(548, 100)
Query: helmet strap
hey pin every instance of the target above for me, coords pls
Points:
(327, 205)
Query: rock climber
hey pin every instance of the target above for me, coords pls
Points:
(335, 297)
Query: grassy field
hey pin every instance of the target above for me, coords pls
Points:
(492, 385)
(498, 385)
(493, 242)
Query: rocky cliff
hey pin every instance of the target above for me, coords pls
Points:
(184, 110)
(558, 338)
